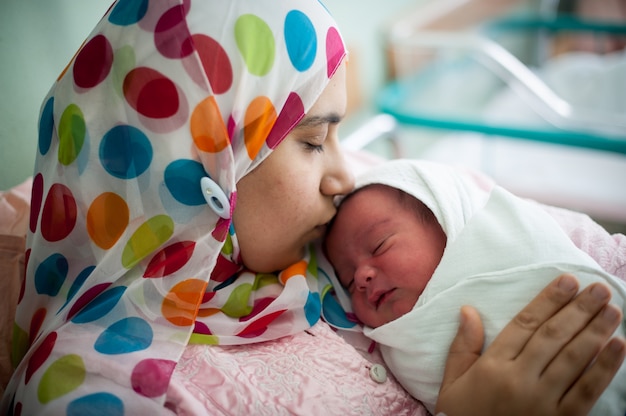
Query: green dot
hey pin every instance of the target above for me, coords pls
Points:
(63, 376)
(146, 239)
(255, 41)
(71, 131)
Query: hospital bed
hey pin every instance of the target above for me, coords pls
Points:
(495, 85)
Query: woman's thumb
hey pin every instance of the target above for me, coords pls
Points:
(466, 346)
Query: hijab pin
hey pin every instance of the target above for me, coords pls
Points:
(215, 197)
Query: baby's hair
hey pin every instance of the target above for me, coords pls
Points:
(406, 200)
(410, 202)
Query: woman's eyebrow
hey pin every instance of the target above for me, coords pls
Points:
(311, 121)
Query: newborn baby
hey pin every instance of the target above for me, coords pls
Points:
(416, 240)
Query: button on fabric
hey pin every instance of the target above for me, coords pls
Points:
(378, 373)
(215, 197)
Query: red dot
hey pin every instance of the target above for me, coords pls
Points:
(40, 355)
(93, 62)
(215, 62)
(150, 93)
(171, 35)
(170, 259)
(59, 213)
(35, 201)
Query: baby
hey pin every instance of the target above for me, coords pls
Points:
(417, 240)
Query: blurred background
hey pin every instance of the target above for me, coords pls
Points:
(530, 92)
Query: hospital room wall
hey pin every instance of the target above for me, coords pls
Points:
(38, 38)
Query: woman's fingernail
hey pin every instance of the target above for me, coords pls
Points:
(617, 346)
(610, 314)
(567, 283)
(600, 292)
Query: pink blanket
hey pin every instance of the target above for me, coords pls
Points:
(313, 372)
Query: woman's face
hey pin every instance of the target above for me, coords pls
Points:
(286, 202)
(384, 252)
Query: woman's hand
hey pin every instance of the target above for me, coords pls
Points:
(542, 363)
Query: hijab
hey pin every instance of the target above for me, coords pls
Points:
(131, 251)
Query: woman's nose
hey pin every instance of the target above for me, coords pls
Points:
(339, 180)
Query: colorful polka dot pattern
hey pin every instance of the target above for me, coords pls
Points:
(126, 262)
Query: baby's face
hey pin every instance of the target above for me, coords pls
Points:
(384, 252)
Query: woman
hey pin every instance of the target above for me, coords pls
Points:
(185, 144)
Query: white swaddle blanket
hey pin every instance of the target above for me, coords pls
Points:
(501, 251)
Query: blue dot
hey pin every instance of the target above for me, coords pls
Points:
(96, 404)
(300, 39)
(124, 336)
(312, 308)
(182, 178)
(334, 313)
(125, 152)
(46, 126)
(51, 274)
(100, 306)
(128, 12)
(78, 282)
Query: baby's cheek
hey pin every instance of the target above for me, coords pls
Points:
(402, 308)
(364, 312)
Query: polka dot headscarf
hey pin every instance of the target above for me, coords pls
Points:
(130, 258)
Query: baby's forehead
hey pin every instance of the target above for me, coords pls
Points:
(379, 190)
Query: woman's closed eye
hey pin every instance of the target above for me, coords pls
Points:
(313, 147)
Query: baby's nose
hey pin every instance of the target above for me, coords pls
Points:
(363, 277)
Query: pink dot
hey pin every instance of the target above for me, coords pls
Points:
(289, 116)
(335, 51)
(150, 93)
(151, 377)
(59, 213)
(93, 62)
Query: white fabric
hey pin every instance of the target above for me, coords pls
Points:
(501, 252)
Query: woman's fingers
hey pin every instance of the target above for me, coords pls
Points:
(545, 361)
(546, 344)
(576, 356)
(513, 338)
(466, 346)
(584, 393)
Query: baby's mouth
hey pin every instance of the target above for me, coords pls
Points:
(383, 297)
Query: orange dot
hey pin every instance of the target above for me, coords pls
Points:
(107, 219)
(180, 305)
(204, 312)
(207, 127)
(258, 122)
(296, 269)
